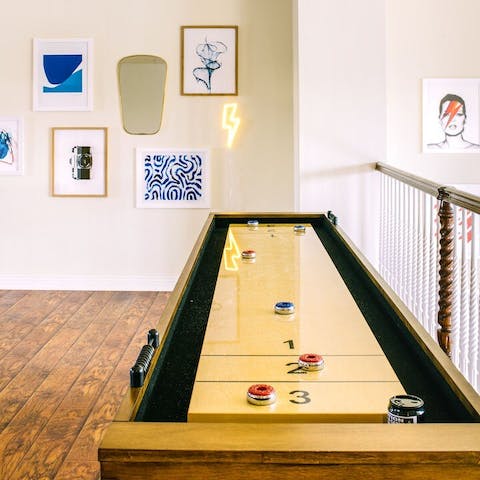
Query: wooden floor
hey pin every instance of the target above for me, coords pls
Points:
(64, 368)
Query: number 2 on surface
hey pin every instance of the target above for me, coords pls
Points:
(295, 370)
(290, 344)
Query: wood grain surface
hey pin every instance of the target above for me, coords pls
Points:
(64, 368)
(246, 342)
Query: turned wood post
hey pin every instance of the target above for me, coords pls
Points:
(445, 282)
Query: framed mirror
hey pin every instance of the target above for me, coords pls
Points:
(141, 81)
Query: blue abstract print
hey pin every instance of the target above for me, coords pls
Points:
(173, 176)
(5, 145)
(62, 73)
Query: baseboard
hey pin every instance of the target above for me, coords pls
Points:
(88, 282)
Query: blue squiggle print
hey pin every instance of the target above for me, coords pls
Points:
(173, 177)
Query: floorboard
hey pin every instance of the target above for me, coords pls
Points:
(64, 375)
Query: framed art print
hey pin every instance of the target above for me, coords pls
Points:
(79, 162)
(451, 115)
(209, 60)
(62, 74)
(172, 178)
(11, 146)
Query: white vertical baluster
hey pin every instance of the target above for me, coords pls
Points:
(398, 243)
(386, 228)
(428, 261)
(416, 265)
(404, 238)
(389, 239)
(391, 230)
(455, 337)
(433, 266)
(464, 291)
(474, 329)
(409, 249)
(424, 242)
(419, 267)
(383, 208)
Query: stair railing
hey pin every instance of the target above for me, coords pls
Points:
(430, 256)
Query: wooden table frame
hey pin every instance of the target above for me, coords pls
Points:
(144, 450)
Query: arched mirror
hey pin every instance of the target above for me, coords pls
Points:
(141, 80)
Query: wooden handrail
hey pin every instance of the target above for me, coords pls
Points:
(463, 199)
(454, 196)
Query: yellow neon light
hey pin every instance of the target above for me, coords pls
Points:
(231, 253)
(230, 121)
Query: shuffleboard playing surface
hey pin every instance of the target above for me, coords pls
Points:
(247, 343)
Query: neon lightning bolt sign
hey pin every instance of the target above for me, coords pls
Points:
(230, 121)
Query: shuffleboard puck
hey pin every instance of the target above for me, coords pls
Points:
(311, 361)
(284, 308)
(261, 394)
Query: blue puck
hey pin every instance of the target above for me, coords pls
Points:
(284, 308)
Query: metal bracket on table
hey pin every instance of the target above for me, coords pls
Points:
(332, 217)
(140, 369)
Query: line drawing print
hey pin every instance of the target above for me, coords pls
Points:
(208, 53)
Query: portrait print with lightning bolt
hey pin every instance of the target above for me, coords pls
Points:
(453, 116)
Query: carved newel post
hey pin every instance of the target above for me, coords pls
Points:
(446, 272)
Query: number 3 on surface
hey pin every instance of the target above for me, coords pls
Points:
(301, 397)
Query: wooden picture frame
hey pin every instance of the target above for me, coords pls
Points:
(209, 60)
(79, 161)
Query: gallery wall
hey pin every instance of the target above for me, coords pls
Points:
(313, 125)
(108, 243)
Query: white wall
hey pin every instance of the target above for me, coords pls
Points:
(360, 67)
(106, 243)
(428, 39)
(341, 112)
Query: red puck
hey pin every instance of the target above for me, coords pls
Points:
(311, 361)
(261, 389)
(249, 254)
(261, 394)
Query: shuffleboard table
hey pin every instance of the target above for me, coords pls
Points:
(220, 334)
